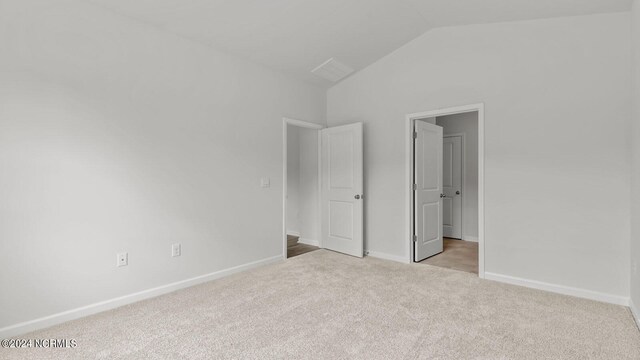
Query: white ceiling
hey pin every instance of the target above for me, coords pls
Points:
(295, 36)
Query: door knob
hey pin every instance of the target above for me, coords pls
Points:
(458, 192)
(357, 197)
(442, 195)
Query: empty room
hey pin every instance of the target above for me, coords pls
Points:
(320, 179)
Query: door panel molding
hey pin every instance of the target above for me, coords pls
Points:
(428, 194)
(342, 224)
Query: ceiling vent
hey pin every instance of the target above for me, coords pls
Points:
(332, 70)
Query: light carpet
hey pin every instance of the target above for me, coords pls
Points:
(323, 305)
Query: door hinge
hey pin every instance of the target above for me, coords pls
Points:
(415, 238)
(415, 187)
(415, 134)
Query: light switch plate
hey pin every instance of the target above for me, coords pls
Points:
(176, 250)
(265, 182)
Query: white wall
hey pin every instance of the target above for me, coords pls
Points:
(467, 124)
(116, 136)
(302, 183)
(309, 202)
(293, 180)
(557, 97)
(635, 188)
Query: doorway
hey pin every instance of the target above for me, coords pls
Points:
(322, 198)
(301, 187)
(445, 162)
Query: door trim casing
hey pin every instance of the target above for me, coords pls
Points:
(308, 125)
(409, 173)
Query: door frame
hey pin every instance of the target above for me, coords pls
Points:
(409, 175)
(462, 174)
(307, 125)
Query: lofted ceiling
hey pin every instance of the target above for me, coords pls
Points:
(295, 36)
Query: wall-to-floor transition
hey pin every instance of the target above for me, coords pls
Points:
(115, 137)
(557, 109)
(635, 177)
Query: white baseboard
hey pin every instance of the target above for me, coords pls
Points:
(470, 238)
(385, 256)
(73, 314)
(293, 233)
(559, 289)
(635, 312)
(308, 241)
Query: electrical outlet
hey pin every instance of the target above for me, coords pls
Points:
(176, 250)
(122, 259)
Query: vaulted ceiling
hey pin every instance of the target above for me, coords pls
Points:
(295, 36)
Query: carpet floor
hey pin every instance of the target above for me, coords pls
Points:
(323, 305)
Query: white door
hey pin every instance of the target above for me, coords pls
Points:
(428, 190)
(342, 197)
(452, 187)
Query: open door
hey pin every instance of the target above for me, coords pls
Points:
(428, 192)
(342, 184)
